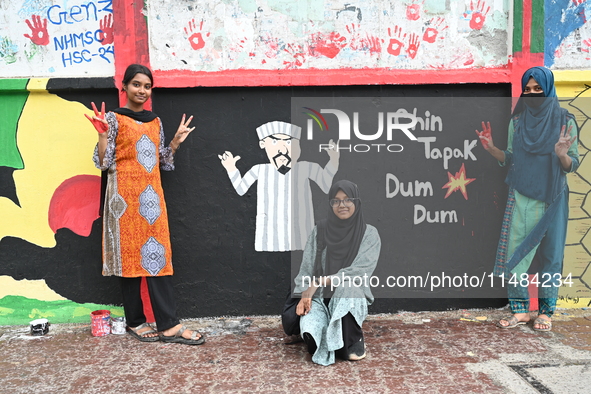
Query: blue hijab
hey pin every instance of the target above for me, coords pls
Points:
(536, 171)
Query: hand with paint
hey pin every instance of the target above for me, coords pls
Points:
(229, 161)
(485, 136)
(487, 142)
(98, 120)
(182, 132)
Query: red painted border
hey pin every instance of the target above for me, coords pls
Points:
(525, 59)
(130, 33)
(315, 77)
(527, 21)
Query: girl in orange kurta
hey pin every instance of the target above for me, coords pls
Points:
(136, 238)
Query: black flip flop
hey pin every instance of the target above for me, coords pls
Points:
(178, 338)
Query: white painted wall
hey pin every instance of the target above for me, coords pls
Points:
(64, 39)
(285, 34)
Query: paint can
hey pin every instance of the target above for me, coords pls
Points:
(99, 322)
(39, 327)
(118, 325)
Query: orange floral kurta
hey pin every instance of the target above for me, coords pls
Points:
(136, 237)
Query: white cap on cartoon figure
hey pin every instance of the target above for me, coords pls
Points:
(277, 127)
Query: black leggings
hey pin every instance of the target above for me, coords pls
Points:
(161, 297)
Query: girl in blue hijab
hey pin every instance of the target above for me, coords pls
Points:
(540, 152)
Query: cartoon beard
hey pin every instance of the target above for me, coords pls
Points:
(283, 169)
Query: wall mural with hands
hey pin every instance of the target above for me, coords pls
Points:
(53, 39)
(50, 244)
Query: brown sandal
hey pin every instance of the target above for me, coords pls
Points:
(141, 336)
(543, 322)
(512, 320)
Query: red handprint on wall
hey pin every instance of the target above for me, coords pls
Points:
(106, 35)
(413, 45)
(587, 43)
(39, 34)
(328, 45)
(364, 43)
(272, 46)
(196, 38)
(433, 30)
(478, 14)
(413, 12)
(395, 45)
(297, 53)
(355, 40)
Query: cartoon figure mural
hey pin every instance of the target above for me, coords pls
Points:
(285, 215)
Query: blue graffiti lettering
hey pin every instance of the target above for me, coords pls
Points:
(77, 57)
(108, 5)
(72, 40)
(75, 11)
(81, 13)
(104, 51)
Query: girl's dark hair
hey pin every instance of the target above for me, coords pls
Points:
(134, 69)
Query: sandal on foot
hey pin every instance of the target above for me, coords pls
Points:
(512, 320)
(178, 337)
(142, 336)
(542, 322)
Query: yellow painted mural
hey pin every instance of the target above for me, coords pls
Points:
(56, 143)
(574, 89)
(35, 289)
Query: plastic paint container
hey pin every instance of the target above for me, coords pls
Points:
(118, 325)
(99, 322)
(39, 327)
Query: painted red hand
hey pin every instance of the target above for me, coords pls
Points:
(413, 12)
(98, 120)
(196, 38)
(485, 135)
(39, 34)
(395, 45)
(587, 43)
(297, 53)
(433, 30)
(478, 14)
(328, 44)
(106, 35)
(413, 45)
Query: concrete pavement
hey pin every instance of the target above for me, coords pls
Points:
(426, 352)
